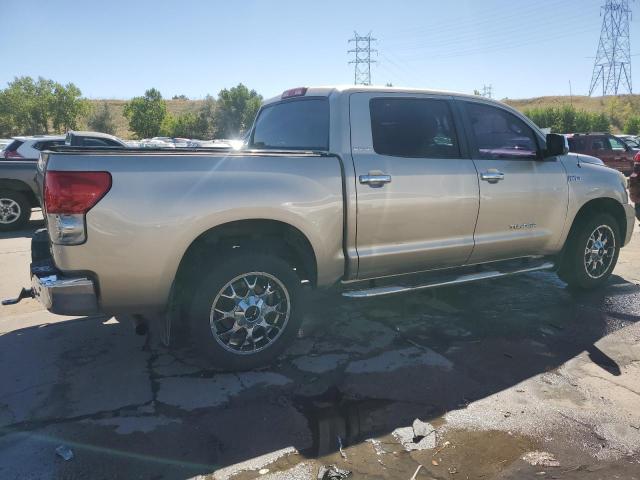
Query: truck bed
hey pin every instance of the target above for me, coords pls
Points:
(161, 201)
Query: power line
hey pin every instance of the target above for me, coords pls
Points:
(362, 62)
(494, 47)
(613, 59)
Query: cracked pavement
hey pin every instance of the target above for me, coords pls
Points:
(500, 369)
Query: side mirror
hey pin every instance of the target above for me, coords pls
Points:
(556, 145)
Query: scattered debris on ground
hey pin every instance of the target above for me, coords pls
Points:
(420, 436)
(342, 454)
(540, 459)
(64, 452)
(377, 446)
(332, 472)
(444, 445)
(415, 474)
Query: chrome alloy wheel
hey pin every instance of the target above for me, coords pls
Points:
(599, 252)
(9, 211)
(249, 313)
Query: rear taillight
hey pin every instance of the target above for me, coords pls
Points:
(68, 196)
(636, 157)
(74, 192)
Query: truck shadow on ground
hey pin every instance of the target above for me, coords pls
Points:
(26, 232)
(359, 368)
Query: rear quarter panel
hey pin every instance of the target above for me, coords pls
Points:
(159, 204)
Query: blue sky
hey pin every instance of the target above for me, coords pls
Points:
(117, 49)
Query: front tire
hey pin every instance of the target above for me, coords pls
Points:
(245, 311)
(15, 210)
(591, 252)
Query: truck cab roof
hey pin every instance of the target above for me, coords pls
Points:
(326, 91)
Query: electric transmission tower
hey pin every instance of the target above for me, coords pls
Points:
(486, 91)
(362, 61)
(613, 59)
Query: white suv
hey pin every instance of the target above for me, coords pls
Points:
(29, 148)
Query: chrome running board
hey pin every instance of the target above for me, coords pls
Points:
(446, 280)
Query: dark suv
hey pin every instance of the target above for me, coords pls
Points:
(608, 148)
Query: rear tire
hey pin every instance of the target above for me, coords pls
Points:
(15, 210)
(591, 252)
(244, 311)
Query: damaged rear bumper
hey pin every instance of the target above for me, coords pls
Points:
(62, 294)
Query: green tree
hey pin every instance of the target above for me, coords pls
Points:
(167, 126)
(583, 121)
(67, 106)
(146, 114)
(30, 107)
(186, 126)
(566, 119)
(206, 124)
(236, 109)
(102, 120)
(600, 123)
(632, 125)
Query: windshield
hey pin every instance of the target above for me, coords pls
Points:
(293, 125)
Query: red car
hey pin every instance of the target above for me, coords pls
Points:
(611, 150)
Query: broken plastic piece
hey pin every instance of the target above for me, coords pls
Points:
(65, 452)
(332, 472)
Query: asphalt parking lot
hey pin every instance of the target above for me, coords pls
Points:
(517, 378)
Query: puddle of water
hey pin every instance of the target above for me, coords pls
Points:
(476, 453)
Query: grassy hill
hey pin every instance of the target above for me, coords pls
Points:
(618, 108)
(175, 107)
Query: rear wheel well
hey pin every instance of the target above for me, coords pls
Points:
(22, 187)
(600, 205)
(266, 236)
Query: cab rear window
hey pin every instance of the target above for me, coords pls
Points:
(301, 124)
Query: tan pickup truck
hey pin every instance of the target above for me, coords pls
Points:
(376, 191)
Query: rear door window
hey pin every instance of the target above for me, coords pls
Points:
(413, 127)
(11, 150)
(293, 125)
(577, 144)
(48, 144)
(95, 142)
(616, 144)
(600, 143)
(500, 134)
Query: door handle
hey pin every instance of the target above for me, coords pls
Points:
(492, 176)
(375, 181)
